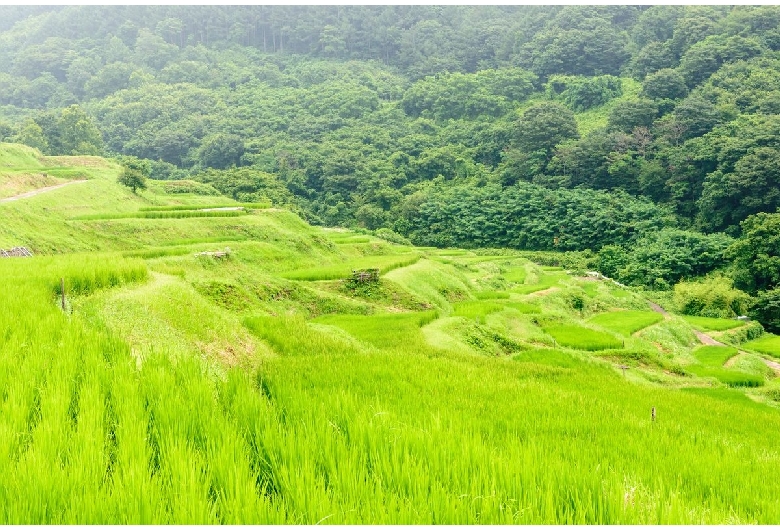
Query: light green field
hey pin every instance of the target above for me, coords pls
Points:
(712, 324)
(184, 389)
(769, 344)
(711, 360)
(626, 322)
(581, 338)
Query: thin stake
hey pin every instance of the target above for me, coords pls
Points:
(652, 413)
(62, 290)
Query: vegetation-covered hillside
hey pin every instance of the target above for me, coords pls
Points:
(646, 137)
(216, 362)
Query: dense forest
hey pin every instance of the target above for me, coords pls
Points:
(646, 138)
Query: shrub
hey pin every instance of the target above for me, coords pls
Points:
(714, 297)
(766, 309)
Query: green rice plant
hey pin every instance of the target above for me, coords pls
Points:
(581, 338)
(711, 360)
(768, 344)
(732, 378)
(546, 281)
(157, 252)
(342, 270)
(714, 356)
(626, 322)
(291, 335)
(523, 307)
(491, 295)
(475, 309)
(548, 357)
(185, 207)
(516, 275)
(712, 324)
(384, 331)
(175, 214)
(352, 240)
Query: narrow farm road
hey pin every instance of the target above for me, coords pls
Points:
(33, 193)
(709, 341)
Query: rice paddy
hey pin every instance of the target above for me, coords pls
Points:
(582, 338)
(177, 389)
(626, 322)
(712, 324)
(768, 344)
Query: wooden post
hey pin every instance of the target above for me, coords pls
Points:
(62, 290)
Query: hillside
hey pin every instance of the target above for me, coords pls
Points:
(644, 138)
(214, 366)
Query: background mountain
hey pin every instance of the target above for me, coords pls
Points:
(566, 127)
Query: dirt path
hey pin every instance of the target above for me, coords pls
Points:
(709, 341)
(773, 365)
(33, 193)
(657, 308)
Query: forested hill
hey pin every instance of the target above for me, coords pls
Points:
(568, 127)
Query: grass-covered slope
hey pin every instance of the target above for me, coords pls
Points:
(255, 386)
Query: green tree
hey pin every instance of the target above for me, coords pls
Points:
(766, 309)
(543, 126)
(134, 173)
(32, 134)
(756, 254)
(626, 115)
(664, 84)
(221, 151)
(76, 134)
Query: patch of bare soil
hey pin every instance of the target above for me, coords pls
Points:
(773, 365)
(658, 309)
(544, 292)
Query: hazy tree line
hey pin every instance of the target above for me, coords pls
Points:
(632, 129)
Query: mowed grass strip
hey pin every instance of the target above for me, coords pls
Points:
(626, 322)
(769, 344)
(338, 271)
(582, 338)
(712, 324)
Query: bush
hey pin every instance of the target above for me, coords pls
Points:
(714, 297)
(744, 334)
(189, 186)
(392, 237)
(766, 309)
